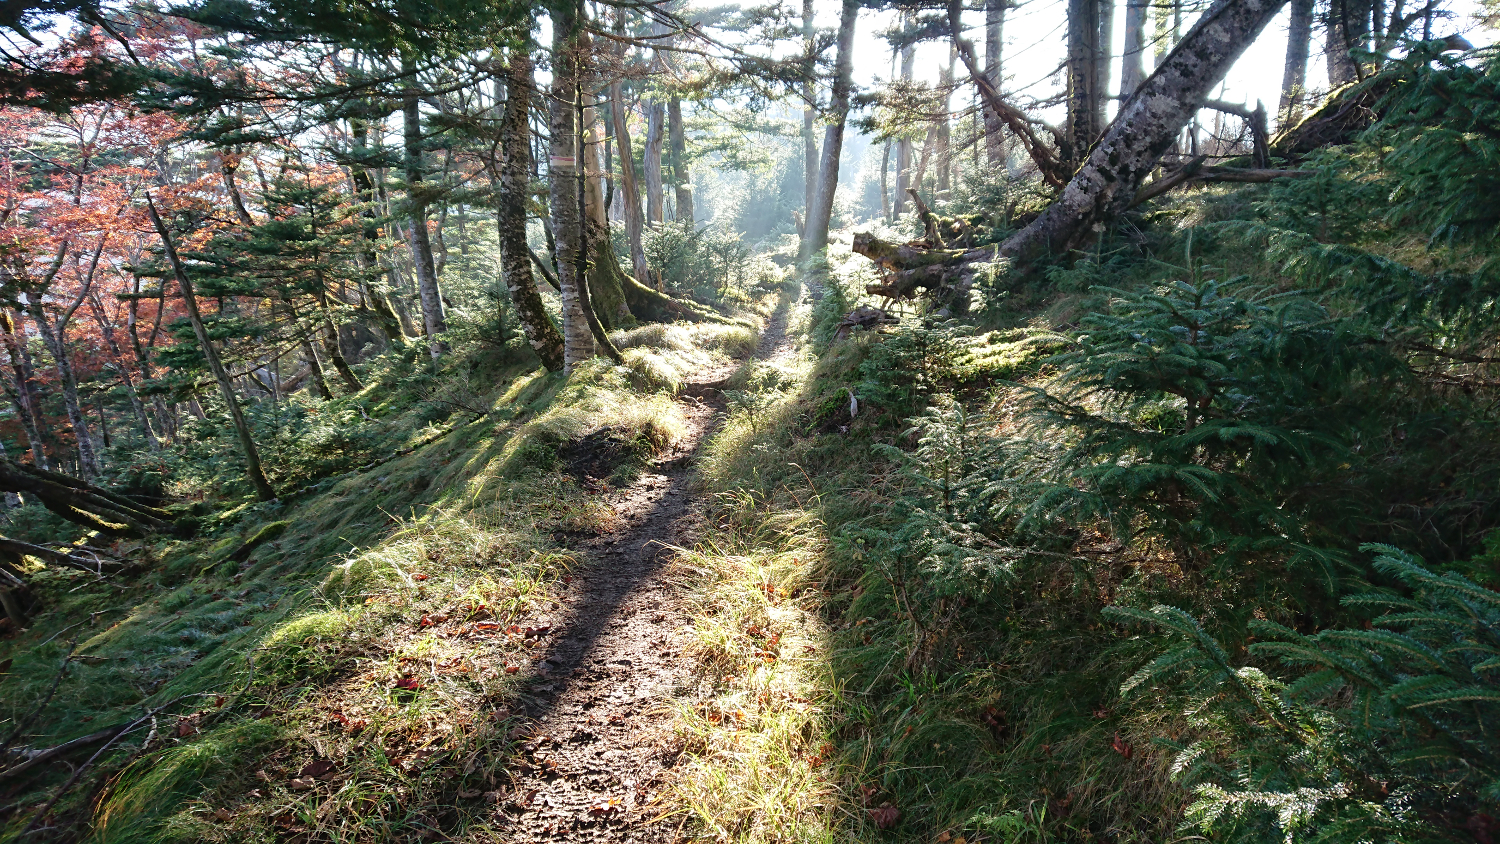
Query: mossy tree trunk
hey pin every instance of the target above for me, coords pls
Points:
(510, 214)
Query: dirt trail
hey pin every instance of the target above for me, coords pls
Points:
(597, 740)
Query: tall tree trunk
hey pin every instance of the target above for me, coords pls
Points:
(1110, 178)
(29, 430)
(25, 399)
(190, 300)
(904, 144)
(367, 259)
(821, 214)
(166, 417)
(54, 337)
(317, 376)
(809, 113)
(682, 184)
(1147, 126)
(944, 137)
(562, 180)
(1083, 94)
(919, 176)
(433, 321)
(138, 407)
(1348, 28)
(630, 189)
(656, 118)
(1133, 66)
(1167, 25)
(885, 183)
(1103, 61)
(607, 282)
(994, 39)
(1294, 76)
(510, 214)
(332, 347)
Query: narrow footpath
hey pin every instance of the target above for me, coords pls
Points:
(597, 743)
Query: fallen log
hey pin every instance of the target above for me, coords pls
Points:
(863, 317)
(912, 267)
(1195, 172)
(83, 559)
(24, 759)
(1345, 113)
(83, 503)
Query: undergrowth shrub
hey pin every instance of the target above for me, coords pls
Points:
(1204, 417)
(1379, 731)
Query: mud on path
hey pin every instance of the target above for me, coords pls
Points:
(596, 739)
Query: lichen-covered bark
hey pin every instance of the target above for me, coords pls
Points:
(567, 219)
(510, 216)
(1145, 128)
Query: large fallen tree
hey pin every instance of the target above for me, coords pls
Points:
(85, 504)
(1110, 179)
(93, 507)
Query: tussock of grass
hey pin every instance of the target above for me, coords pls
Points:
(761, 769)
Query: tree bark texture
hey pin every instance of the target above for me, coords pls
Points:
(1110, 178)
(943, 138)
(1103, 61)
(629, 188)
(809, 114)
(606, 293)
(1294, 75)
(420, 242)
(682, 183)
(510, 215)
(820, 215)
(656, 118)
(331, 346)
(1083, 94)
(1146, 127)
(994, 39)
(1133, 64)
(567, 219)
(1347, 28)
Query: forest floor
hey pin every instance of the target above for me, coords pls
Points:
(598, 740)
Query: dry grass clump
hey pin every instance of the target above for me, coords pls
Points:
(761, 768)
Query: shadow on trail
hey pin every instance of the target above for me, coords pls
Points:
(596, 742)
